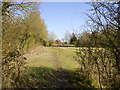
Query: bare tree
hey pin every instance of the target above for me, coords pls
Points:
(67, 37)
(106, 16)
(102, 52)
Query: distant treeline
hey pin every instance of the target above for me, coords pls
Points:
(98, 39)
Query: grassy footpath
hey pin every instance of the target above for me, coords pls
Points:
(55, 67)
(52, 57)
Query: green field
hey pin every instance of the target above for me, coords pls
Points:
(52, 57)
(55, 67)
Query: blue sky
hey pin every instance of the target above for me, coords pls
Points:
(61, 17)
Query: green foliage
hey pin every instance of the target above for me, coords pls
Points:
(24, 34)
(47, 44)
(73, 39)
(20, 34)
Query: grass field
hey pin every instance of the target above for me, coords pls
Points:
(52, 57)
(55, 67)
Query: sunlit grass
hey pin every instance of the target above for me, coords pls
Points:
(51, 56)
(55, 67)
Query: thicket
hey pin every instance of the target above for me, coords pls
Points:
(99, 56)
(22, 29)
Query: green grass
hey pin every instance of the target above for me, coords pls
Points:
(55, 67)
(67, 58)
(52, 57)
(50, 66)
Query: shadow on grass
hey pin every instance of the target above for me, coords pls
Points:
(50, 78)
